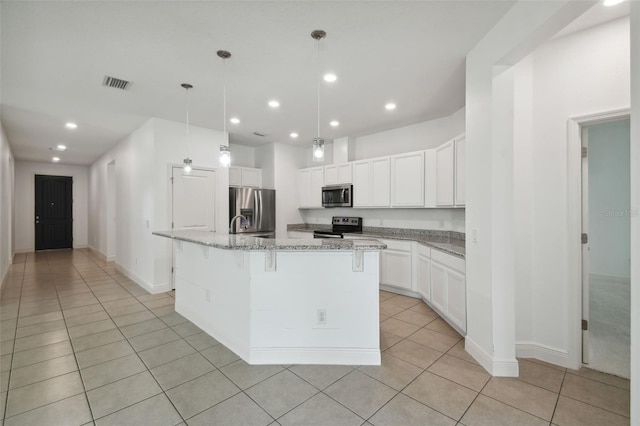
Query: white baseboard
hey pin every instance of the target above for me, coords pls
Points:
(495, 367)
(22, 251)
(111, 258)
(401, 291)
(545, 353)
(97, 252)
(153, 289)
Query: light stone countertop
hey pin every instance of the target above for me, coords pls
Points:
(447, 241)
(248, 243)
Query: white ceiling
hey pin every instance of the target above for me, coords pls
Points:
(56, 54)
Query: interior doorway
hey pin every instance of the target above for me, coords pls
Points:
(53, 212)
(606, 255)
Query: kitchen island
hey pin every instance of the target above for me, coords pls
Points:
(281, 301)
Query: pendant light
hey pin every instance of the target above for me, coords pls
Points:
(187, 161)
(225, 154)
(318, 142)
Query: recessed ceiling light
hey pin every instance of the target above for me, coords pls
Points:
(71, 125)
(274, 104)
(293, 135)
(234, 120)
(61, 147)
(611, 2)
(334, 123)
(55, 159)
(390, 106)
(330, 77)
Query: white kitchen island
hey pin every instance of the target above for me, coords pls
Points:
(281, 301)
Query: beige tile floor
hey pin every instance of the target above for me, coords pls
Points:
(81, 344)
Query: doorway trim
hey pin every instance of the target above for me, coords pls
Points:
(574, 222)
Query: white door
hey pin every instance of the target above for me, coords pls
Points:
(194, 197)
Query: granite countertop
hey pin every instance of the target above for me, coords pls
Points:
(448, 241)
(245, 242)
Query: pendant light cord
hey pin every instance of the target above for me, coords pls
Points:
(224, 95)
(186, 96)
(318, 84)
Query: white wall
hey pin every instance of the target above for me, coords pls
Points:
(142, 168)
(6, 205)
(416, 137)
(609, 208)
(591, 71)
(490, 272)
(287, 160)
(242, 156)
(25, 202)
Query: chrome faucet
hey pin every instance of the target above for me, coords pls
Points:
(234, 218)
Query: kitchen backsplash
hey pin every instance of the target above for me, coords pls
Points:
(443, 219)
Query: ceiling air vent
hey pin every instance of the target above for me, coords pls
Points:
(116, 83)
(260, 134)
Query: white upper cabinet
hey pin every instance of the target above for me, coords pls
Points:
(430, 184)
(444, 174)
(338, 174)
(362, 183)
(345, 173)
(310, 182)
(460, 171)
(245, 176)
(371, 182)
(407, 180)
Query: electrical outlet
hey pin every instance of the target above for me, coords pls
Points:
(322, 316)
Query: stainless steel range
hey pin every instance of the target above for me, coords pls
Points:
(341, 225)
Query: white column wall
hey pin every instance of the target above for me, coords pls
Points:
(6, 205)
(635, 207)
(25, 201)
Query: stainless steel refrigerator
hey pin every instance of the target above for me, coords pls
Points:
(252, 211)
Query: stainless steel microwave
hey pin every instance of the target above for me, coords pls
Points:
(337, 196)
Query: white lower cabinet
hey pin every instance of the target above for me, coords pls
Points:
(424, 272)
(448, 288)
(395, 265)
(439, 278)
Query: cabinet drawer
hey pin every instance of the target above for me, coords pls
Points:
(451, 261)
(398, 245)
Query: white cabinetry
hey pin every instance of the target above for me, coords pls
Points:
(395, 264)
(245, 176)
(448, 288)
(407, 180)
(430, 178)
(444, 174)
(424, 272)
(310, 182)
(460, 171)
(450, 173)
(338, 173)
(371, 182)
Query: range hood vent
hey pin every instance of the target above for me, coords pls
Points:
(116, 83)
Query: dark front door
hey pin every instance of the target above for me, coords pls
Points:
(54, 217)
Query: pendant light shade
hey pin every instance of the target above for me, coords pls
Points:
(225, 154)
(318, 142)
(187, 161)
